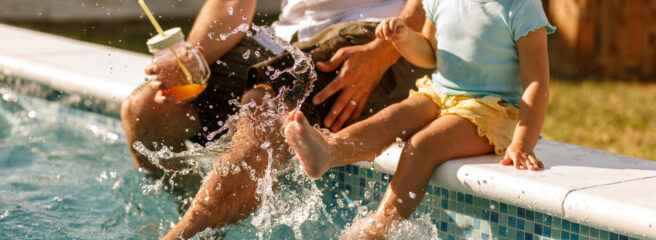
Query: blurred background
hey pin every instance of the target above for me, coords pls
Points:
(603, 57)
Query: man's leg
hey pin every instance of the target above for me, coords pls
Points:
(156, 125)
(228, 197)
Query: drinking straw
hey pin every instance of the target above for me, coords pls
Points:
(161, 32)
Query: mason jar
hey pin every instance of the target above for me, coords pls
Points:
(171, 52)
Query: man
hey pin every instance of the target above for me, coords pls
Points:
(338, 34)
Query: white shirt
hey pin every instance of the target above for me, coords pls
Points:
(308, 17)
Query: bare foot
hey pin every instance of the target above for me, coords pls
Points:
(311, 147)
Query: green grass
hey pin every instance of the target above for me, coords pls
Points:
(608, 115)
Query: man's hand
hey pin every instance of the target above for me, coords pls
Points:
(166, 74)
(362, 68)
(393, 30)
(519, 155)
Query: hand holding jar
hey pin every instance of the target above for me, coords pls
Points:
(180, 69)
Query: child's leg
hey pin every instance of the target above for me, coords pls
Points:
(361, 141)
(446, 138)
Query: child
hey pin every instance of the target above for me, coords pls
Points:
(488, 94)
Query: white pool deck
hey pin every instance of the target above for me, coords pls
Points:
(592, 187)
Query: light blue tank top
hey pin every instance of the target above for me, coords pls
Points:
(476, 51)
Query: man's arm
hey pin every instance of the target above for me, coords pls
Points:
(143, 111)
(215, 19)
(362, 68)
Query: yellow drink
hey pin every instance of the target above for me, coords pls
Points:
(184, 92)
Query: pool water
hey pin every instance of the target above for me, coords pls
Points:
(68, 174)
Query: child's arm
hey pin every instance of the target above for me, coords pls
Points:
(534, 69)
(416, 48)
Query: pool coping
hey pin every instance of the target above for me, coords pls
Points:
(578, 183)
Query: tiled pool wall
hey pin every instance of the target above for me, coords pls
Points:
(460, 215)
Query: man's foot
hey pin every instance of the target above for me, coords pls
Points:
(311, 147)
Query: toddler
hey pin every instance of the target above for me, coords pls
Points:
(488, 94)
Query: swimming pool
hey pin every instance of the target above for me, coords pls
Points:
(65, 172)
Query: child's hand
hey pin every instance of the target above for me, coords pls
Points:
(522, 157)
(392, 29)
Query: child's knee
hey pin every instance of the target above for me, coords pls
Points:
(424, 151)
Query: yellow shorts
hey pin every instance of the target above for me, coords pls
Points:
(495, 119)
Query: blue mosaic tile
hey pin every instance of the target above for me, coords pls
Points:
(485, 215)
(575, 227)
(594, 232)
(485, 236)
(529, 215)
(614, 236)
(494, 217)
(503, 207)
(511, 221)
(585, 230)
(521, 212)
(485, 203)
(460, 216)
(537, 229)
(461, 197)
(546, 219)
(565, 224)
(564, 235)
(502, 231)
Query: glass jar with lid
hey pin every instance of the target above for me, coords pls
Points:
(181, 63)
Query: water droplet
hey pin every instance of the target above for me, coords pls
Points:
(403, 132)
(246, 55)
(412, 195)
(265, 145)
(230, 11)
